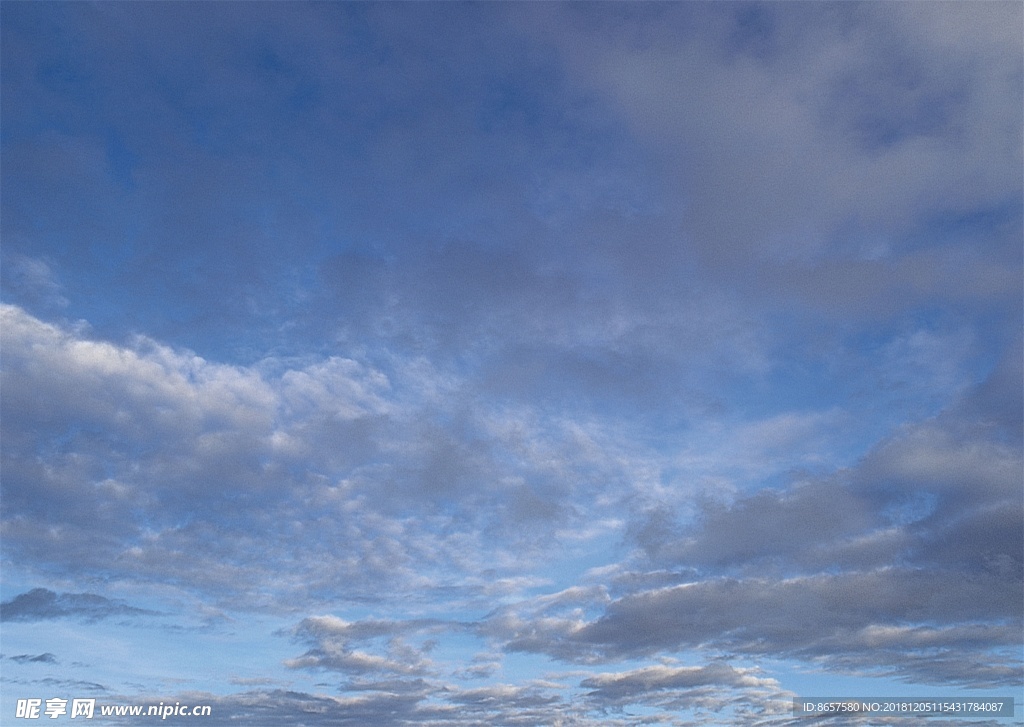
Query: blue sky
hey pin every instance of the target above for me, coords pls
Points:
(515, 364)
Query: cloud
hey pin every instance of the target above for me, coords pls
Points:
(158, 461)
(502, 705)
(714, 687)
(764, 528)
(378, 656)
(610, 305)
(32, 281)
(334, 639)
(272, 706)
(69, 685)
(547, 624)
(251, 681)
(46, 658)
(818, 618)
(907, 565)
(815, 149)
(41, 604)
(899, 622)
(897, 528)
(429, 704)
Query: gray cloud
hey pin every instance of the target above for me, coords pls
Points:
(861, 618)
(271, 707)
(378, 656)
(508, 706)
(911, 623)
(819, 147)
(336, 646)
(457, 278)
(716, 691)
(46, 658)
(63, 684)
(157, 459)
(420, 703)
(906, 565)
(628, 685)
(766, 528)
(42, 604)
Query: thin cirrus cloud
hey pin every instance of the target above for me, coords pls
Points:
(528, 364)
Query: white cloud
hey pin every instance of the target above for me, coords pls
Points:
(151, 463)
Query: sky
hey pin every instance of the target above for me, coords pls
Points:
(564, 364)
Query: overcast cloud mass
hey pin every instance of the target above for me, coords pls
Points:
(511, 364)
